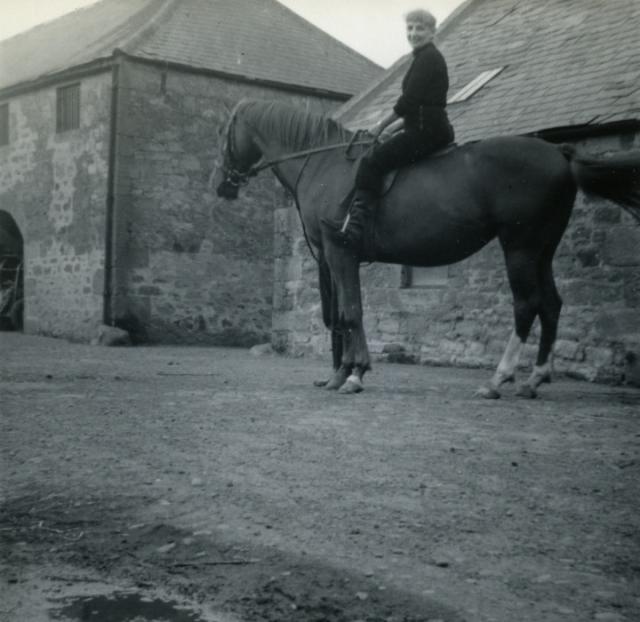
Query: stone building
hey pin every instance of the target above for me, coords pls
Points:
(565, 70)
(111, 120)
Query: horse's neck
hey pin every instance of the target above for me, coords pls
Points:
(274, 148)
(287, 171)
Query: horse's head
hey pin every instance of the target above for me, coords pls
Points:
(240, 154)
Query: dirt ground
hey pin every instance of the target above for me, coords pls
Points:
(205, 484)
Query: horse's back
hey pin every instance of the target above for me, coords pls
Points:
(448, 206)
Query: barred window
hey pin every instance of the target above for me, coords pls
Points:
(68, 108)
(4, 124)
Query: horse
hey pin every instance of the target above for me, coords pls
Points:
(520, 189)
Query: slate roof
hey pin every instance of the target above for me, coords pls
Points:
(566, 63)
(255, 39)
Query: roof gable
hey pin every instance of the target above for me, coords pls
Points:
(79, 37)
(566, 62)
(256, 39)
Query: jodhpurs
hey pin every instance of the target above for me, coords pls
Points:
(402, 149)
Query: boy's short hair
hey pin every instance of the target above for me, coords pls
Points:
(422, 16)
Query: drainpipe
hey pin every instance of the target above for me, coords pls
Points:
(108, 311)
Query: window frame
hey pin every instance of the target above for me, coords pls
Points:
(68, 107)
(437, 277)
(472, 87)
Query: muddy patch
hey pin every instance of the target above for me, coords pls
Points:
(124, 607)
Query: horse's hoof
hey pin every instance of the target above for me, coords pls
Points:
(488, 393)
(337, 380)
(525, 390)
(334, 384)
(349, 388)
(320, 383)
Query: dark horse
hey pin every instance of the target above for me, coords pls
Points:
(441, 211)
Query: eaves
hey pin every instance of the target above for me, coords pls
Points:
(105, 64)
(236, 77)
(77, 72)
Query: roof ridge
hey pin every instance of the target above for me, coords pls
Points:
(190, 33)
(146, 25)
(453, 18)
(148, 28)
(324, 32)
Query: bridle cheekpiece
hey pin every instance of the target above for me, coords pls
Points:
(232, 175)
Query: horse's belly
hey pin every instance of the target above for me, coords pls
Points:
(430, 243)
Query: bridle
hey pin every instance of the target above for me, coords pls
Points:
(237, 178)
(232, 175)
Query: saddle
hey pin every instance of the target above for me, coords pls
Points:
(387, 183)
(389, 178)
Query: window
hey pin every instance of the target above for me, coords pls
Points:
(4, 124)
(68, 108)
(412, 276)
(474, 86)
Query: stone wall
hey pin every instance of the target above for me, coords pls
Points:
(462, 314)
(54, 186)
(190, 267)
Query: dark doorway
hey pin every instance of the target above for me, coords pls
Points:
(11, 274)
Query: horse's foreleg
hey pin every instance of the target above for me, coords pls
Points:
(328, 298)
(339, 374)
(345, 270)
(339, 377)
(357, 343)
(353, 383)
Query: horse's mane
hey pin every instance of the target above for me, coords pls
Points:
(294, 127)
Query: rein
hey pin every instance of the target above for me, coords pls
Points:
(256, 168)
(241, 178)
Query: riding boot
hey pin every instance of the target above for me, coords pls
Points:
(350, 230)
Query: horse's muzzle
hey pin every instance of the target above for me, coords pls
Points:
(227, 190)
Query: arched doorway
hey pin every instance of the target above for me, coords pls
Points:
(11, 273)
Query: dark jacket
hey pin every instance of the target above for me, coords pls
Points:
(424, 91)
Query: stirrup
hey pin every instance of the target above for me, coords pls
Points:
(337, 225)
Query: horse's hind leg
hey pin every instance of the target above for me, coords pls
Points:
(523, 278)
(549, 313)
(506, 368)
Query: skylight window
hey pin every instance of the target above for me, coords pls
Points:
(474, 86)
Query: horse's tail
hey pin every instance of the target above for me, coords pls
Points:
(616, 178)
